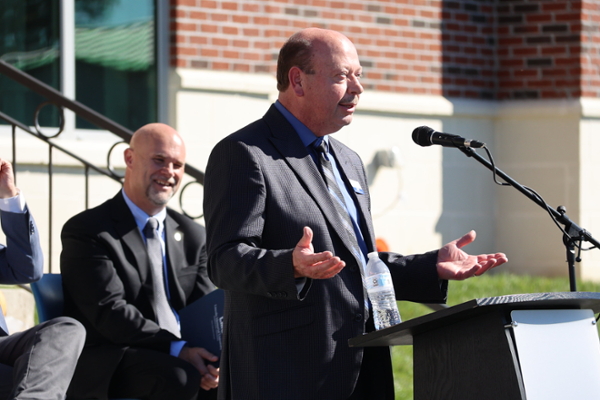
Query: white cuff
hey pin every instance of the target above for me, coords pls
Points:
(13, 204)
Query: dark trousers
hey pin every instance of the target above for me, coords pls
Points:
(38, 363)
(375, 379)
(151, 375)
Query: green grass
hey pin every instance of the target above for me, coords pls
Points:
(460, 292)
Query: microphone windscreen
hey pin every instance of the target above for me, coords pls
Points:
(422, 135)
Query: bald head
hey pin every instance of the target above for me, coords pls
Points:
(299, 51)
(318, 75)
(157, 132)
(155, 163)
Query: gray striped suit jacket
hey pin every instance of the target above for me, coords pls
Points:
(261, 188)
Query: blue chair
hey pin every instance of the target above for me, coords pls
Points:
(48, 296)
(49, 300)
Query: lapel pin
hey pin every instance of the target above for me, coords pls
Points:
(178, 236)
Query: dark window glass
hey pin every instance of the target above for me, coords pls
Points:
(115, 60)
(29, 40)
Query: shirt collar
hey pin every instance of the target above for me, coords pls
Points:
(306, 135)
(140, 216)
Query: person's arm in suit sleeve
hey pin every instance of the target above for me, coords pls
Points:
(234, 213)
(415, 277)
(450, 262)
(21, 259)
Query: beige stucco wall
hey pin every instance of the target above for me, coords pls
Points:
(430, 196)
(436, 194)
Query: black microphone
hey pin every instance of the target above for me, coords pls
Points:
(426, 136)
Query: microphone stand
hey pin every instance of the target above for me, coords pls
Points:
(574, 233)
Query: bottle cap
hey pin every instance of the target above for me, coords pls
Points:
(373, 254)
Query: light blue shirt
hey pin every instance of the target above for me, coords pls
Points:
(141, 219)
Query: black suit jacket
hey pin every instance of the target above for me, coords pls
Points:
(107, 285)
(261, 188)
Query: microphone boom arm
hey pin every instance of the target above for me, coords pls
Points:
(573, 231)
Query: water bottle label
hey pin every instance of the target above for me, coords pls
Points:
(379, 281)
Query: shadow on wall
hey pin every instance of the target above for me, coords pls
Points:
(468, 191)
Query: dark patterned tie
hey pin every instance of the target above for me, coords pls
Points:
(340, 206)
(164, 313)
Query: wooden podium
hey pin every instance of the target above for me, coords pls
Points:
(529, 346)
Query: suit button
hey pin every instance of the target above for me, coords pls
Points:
(271, 294)
(358, 317)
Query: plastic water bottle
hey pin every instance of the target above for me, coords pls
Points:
(381, 293)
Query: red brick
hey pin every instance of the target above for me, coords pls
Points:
(272, 10)
(201, 40)
(209, 28)
(217, 17)
(240, 19)
(219, 42)
(539, 18)
(229, 5)
(190, 51)
(525, 51)
(262, 45)
(204, 52)
(230, 30)
(241, 43)
(181, 38)
(522, 73)
(554, 50)
(251, 56)
(241, 67)
(510, 41)
(553, 6)
(261, 21)
(208, 4)
(250, 7)
(181, 26)
(178, 13)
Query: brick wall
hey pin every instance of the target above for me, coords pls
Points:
(398, 41)
(486, 49)
(539, 49)
(590, 44)
(468, 49)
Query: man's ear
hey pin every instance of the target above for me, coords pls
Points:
(128, 156)
(296, 75)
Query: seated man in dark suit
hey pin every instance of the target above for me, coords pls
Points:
(128, 266)
(37, 363)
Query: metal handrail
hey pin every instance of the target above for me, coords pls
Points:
(57, 99)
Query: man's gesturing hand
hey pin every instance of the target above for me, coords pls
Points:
(454, 263)
(313, 265)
